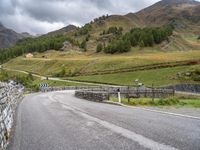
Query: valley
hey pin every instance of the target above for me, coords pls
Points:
(99, 75)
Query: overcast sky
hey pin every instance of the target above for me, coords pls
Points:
(42, 16)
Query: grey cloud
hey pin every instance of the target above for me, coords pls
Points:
(41, 16)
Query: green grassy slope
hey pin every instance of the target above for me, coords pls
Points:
(82, 64)
(158, 77)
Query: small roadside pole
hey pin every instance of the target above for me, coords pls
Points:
(128, 94)
(153, 94)
(119, 95)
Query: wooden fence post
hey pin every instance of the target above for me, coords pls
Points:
(153, 94)
(128, 95)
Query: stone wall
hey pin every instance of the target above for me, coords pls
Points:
(104, 93)
(192, 88)
(92, 95)
(91, 88)
(10, 97)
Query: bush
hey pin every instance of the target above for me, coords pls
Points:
(84, 30)
(30, 77)
(87, 37)
(4, 75)
(99, 48)
(83, 45)
(198, 37)
(196, 75)
(113, 30)
(169, 101)
(62, 73)
(120, 46)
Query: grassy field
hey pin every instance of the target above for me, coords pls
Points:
(172, 102)
(158, 77)
(86, 63)
(35, 81)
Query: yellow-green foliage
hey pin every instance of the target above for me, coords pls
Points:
(158, 77)
(81, 64)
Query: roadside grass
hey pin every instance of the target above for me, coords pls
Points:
(32, 83)
(169, 102)
(58, 83)
(158, 77)
(54, 61)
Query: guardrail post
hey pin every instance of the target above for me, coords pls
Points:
(119, 95)
(128, 94)
(153, 94)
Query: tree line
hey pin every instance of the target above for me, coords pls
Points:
(142, 37)
(84, 30)
(30, 45)
(113, 30)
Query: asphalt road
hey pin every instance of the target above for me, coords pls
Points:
(59, 121)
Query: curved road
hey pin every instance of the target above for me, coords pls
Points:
(59, 121)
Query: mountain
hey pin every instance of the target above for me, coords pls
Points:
(8, 37)
(183, 14)
(65, 30)
(26, 34)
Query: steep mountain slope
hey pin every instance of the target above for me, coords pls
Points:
(65, 30)
(8, 37)
(26, 34)
(183, 14)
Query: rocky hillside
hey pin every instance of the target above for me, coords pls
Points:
(8, 37)
(65, 30)
(183, 14)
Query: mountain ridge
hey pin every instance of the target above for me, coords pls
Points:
(8, 37)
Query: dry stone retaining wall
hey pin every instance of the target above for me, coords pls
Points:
(92, 95)
(10, 97)
(191, 88)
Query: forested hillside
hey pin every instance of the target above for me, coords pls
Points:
(30, 45)
(120, 43)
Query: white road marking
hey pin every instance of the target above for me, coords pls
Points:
(163, 112)
(143, 141)
(152, 110)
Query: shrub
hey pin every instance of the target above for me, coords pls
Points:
(99, 48)
(113, 30)
(87, 37)
(83, 45)
(4, 75)
(198, 37)
(62, 73)
(120, 46)
(85, 29)
(168, 101)
(30, 77)
(196, 75)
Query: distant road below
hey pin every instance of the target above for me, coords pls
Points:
(60, 121)
(58, 79)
